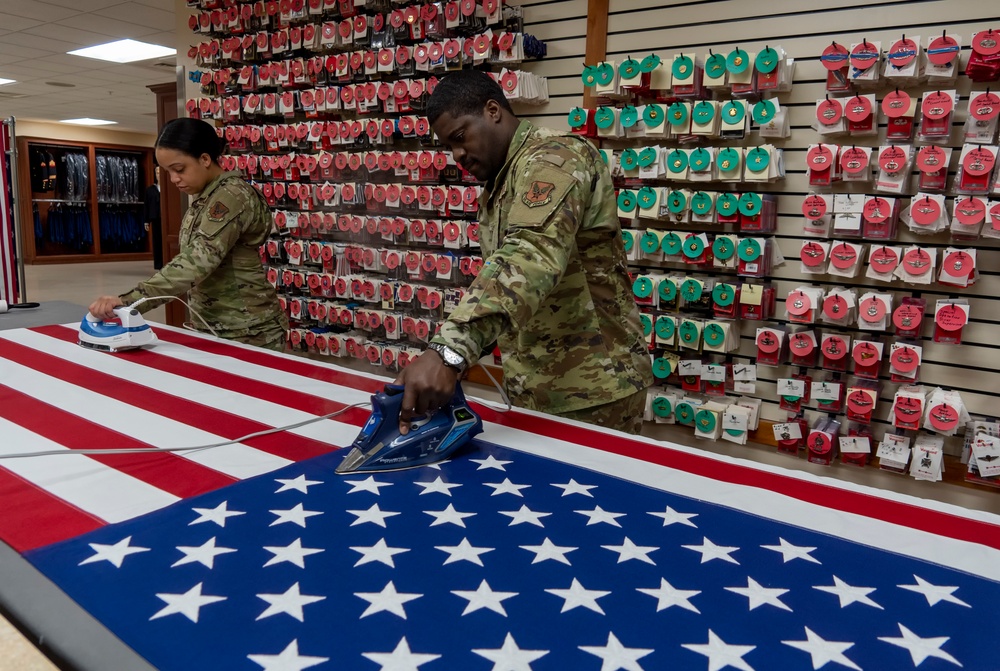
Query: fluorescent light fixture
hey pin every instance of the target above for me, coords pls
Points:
(6, 81)
(87, 121)
(125, 51)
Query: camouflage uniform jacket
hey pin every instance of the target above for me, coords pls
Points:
(554, 290)
(219, 263)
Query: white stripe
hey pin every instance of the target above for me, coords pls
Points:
(336, 434)
(238, 461)
(970, 557)
(256, 372)
(85, 483)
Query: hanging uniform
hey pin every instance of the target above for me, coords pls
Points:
(554, 291)
(219, 264)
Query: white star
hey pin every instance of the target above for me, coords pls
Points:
(920, 648)
(524, 515)
(448, 516)
(506, 487)
(114, 554)
(296, 515)
(484, 597)
(203, 554)
(379, 552)
(759, 595)
(720, 654)
(388, 600)
(671, 516)
(823, 652)
(574, 487)
(400, 659)
(510, 657)
(667, 595)
(710, 551)
(491, 462)
(934, 593)
(293, 553)
(439, 486)
(790, 552)
(290, 602)
(299, 484)
(576, 595)
(598, 515)
(374, 515)
(848, 594)
(616, 656)
(549, 550)
(187, 604)
(629, 550)
(217, 514)
(369, 484)
(463, 550)
(288, 659)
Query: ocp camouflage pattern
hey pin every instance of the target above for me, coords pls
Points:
(219, 265)
(554, 291)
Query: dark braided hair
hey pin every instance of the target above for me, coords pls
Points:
(465, 93)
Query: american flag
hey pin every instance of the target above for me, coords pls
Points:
(544, 546)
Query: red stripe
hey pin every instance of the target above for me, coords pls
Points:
(265, 391)
(867, 505)
(264, 358)
(193, 414)
(32, 517)
(163, 470)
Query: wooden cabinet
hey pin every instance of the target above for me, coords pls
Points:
(82, 201)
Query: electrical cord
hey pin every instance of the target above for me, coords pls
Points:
(193, 448)
(249, 436)
(187, 325)
(499, 388)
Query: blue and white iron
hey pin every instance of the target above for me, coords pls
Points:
(128, 331)
(381, 447)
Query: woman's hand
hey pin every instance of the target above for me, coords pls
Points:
(104, 307)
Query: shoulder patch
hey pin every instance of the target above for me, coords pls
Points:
(538, 194)
(218, 211)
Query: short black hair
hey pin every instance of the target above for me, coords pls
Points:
(465, 93)
(193, 137)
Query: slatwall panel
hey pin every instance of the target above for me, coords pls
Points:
(804, 28)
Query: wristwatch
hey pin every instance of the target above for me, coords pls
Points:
(451, 358)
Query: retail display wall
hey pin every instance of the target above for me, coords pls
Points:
(798, 32)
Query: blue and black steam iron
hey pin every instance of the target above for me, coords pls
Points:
(432, 438)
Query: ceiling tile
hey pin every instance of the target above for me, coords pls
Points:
(11, 22)
(109, 27)
(33, 41)
(141, 14)
(54, 31)
(22, 52)
(41, 11)
(84, 5)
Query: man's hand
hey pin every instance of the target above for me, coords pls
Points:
(104, 307)
(427, 385)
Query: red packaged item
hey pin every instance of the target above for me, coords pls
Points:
(791, 435)
(867, 358)
(834, 350)
(861, 400)
(856, 447)
(822, 442)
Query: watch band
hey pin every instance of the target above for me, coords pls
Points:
(450, 357)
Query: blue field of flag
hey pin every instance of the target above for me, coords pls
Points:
(501, 560)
